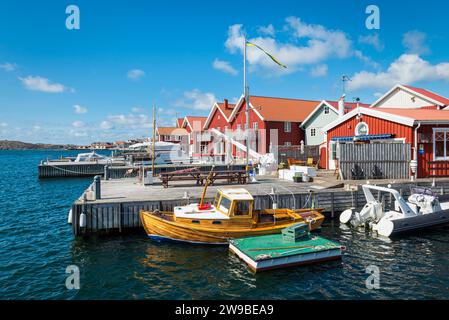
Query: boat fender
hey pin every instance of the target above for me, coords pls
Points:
(70, 217)
(82, 220)
(346, 215)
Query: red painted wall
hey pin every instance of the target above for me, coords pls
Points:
(381, 126)
(375, 125)
(295, 135)
(240, 119)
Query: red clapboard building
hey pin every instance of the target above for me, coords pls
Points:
(193, 125)
(403, 115)
(271, 120)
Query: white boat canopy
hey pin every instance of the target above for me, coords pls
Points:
(90, 156)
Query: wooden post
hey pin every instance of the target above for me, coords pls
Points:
(106, 172)
(97, 187)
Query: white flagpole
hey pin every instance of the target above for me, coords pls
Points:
(245, 92)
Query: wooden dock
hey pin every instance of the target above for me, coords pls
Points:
(113, 206)
(69, 169)
(63, 169)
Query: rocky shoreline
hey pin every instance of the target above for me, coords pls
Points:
(19, 145)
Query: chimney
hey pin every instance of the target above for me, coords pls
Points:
(341, 106)
(226, 105)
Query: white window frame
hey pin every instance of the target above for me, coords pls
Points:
(256, 125)
(313, 132)
(287, 126)
(287, 143)
(326, 110)
(356, 133)
(446, 141)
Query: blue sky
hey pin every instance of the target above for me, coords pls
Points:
(99, 82)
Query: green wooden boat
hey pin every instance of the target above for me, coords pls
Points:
(281, 250)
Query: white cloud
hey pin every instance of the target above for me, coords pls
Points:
(415, 42)
(130, 121)
(79, 109)
(367, 60)
(224, 66)
(373, 40)
(7, 66)
(77, 124)
(37, 128)
(37, 83)
(319, 71)
(268, 30)
(320, 44)
(106, 125)
(407, 69)
(3, 124)
(135, 74)
(195, 99)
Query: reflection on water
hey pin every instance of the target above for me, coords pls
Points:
(37, 245)
(412, 267)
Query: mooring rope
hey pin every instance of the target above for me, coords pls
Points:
(70, 171)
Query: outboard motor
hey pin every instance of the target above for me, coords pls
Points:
(371, 212)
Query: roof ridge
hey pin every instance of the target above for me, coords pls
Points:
(285, 98)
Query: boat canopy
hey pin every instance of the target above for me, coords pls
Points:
(158, 145)
(90, 156)
(236, 194)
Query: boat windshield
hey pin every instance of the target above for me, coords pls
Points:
(241, 208)
(422, 190)
(217, 198)
(225, 204)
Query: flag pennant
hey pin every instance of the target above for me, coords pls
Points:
(271, 57)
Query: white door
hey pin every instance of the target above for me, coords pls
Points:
(333, 152)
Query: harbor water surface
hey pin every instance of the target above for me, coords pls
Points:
(37, 245)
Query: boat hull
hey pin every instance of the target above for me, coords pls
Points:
(395, 226)
(159, 228)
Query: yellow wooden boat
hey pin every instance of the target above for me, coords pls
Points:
(230, 216)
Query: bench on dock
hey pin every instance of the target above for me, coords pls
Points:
(199, 177)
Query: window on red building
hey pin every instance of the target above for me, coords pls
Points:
(287, 126)
(441, 144)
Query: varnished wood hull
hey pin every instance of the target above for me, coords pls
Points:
(160, 228)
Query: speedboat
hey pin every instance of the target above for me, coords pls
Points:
(231, 215)
(422, 209)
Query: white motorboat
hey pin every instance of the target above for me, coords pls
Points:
(166, 152)
(422, 209)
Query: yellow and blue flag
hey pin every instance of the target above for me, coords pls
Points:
(271, 57)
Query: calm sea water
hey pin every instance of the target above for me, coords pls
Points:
(36, 246)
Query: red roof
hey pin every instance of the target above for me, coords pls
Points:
(418, 114)
(179, 122)
(444, 101)
(283, 109)
(193, 120)
(226, 110)
(171, 131)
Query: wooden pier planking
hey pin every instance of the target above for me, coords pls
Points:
(121, 200)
